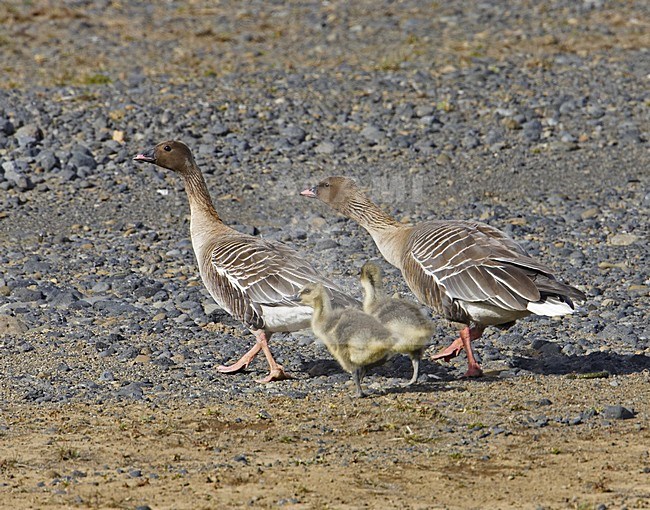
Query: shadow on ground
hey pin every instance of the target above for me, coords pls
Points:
(559, 364)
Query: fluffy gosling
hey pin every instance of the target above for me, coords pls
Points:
(354, 338)
(404, 319)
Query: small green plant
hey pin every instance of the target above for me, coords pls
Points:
(478, 51)
(95, 79)
(391, 62)
(445, 106)
(418, 439)
(67, 454)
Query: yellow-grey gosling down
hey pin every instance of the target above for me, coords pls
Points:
(354, 338)
(404, 319)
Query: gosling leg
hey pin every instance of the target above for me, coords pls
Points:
(357, 375)
(415, 361)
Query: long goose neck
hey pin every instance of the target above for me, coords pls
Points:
(368, 214)
(204, 218)
(198, 194)
(385, 230)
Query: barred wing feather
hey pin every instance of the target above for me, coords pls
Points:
(248, 272)
(474, 262)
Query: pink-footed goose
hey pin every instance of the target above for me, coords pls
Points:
(468, 271)
(252, 279)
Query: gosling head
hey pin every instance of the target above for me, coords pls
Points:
(311, 293)
(337, 192)
(371, 274)
(172, 154)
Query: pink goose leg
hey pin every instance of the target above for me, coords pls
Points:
(463, 342)
(467, 335)
(452, 350)
(276, 370)
(243, 362)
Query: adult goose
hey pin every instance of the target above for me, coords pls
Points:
(252, 279)
(468, 271)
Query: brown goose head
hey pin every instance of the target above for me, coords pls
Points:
(171, 154)
(337, 192)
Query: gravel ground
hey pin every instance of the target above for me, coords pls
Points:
(534, 118)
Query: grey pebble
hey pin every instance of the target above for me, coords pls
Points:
(132, 390)
(263, 414)
(326, 244)
(25, 347)
(25, 294)
(294, 134)
(6, 127)
(325, 148)
(107, 376)
(14, 173)
(64, 299)
(28, 135)
(617, 412)
(372, 133)
(48, 160)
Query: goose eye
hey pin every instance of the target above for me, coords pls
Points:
(167, 148)
(326, 185)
